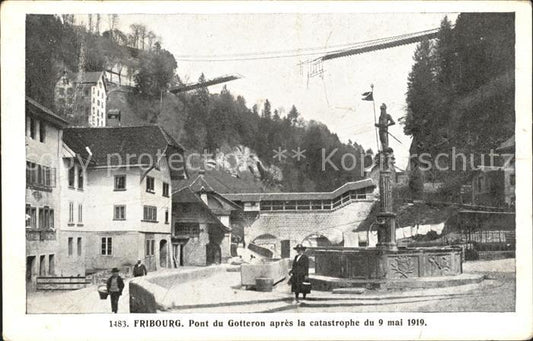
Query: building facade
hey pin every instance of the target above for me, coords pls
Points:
(44, 132)
(82, 98)
(126, 206)
(202, 223)
(495, 185)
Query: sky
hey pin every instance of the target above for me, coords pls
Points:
(333, 98)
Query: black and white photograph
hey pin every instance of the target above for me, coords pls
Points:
(269, 164)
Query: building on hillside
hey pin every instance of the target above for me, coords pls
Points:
(507, 152)
(82, 100)
(202, 222)
(126, 203)
(491, 230)
(44, 131)
(494, 185)
(120, 75)
(279, 221)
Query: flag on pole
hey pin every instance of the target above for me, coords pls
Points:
(368, 96)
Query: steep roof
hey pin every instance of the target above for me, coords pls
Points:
(218, 181)
(140, 145)
(187, 196)
(199, 184)
(39, 110)
(91, 77)
(365, 183)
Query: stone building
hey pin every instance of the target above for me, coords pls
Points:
(44, 131)
(82, 98)
(126, 198)
(202, 222)
(279, 221)
(494, 185)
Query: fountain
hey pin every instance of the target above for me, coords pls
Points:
(386, 265)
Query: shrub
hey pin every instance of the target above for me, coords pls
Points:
(471, 254)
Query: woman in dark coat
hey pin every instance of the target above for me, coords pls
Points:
(299, 272)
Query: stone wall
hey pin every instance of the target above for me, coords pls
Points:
(296, 226)
(150, 294)
(194, 252)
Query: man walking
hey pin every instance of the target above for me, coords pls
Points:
(115, 285)
(139, 269)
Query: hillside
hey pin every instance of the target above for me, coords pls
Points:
(214, 123)
(460, 97)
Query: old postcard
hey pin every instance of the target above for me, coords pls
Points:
(280, 170)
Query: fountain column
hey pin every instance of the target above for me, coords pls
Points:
(386, 218)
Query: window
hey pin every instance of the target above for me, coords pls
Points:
(150, 247)
(119, 212)
(27, 220)
(70, 246)
(32, 128)
(107, 246)
(51, 265)
(512, 179)
(80, 179)
(165, 189)
(150, 184)
(166, 216)
(42, 132)
(33, 216)
(71, 176)
(150, 213)
(120, 182)
(191, 229)
(30, 172)
(41, 218)
(80, 213)
(46, 217)
(86, 92)
(47, 176)
(40, 179)
(79, 246)
(71, 212)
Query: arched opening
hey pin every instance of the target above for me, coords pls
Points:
(163, 253)
(267, 245)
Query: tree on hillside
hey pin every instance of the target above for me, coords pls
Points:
(50, 48)
(156, 72)
(196, 122)
(266, 113)
(293, 115)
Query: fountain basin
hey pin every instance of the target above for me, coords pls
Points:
(377, 263)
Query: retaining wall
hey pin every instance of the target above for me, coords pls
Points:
(155, 292)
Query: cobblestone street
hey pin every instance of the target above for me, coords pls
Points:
(222, 293)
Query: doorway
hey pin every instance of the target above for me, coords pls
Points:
(51, 265)
(163, 253)
(213, 254)
(285, 249)
(30, 263)
(42, 265)
(177, 253)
